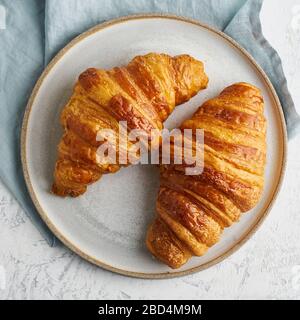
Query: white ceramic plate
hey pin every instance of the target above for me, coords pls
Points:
(107, 225)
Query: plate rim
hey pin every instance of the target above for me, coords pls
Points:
(161, 275)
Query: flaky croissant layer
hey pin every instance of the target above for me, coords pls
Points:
(143, 94)
(193, 210)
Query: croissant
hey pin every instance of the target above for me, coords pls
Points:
(143, 93)
(193, 210)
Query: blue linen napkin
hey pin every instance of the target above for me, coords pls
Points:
(32, 31)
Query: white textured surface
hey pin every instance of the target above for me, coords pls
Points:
(266, 267)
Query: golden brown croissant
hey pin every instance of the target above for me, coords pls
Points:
(192, 210)
(143, 93)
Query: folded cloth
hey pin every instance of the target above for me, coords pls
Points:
(34, 30)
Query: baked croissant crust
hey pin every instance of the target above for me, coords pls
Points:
(193, 210)
(143, 93)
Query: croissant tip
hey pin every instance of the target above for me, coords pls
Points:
(64, 192)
